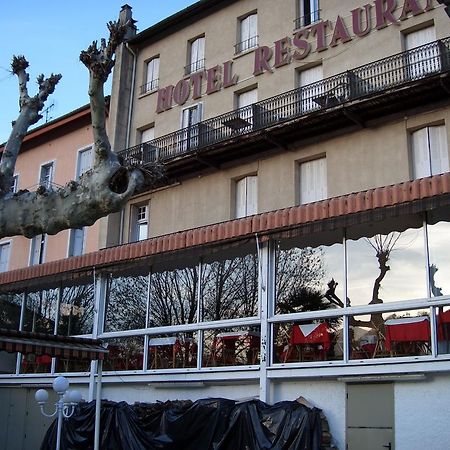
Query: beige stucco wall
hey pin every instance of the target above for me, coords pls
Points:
(63, 151)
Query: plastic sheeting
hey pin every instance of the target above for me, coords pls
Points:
(218, 424)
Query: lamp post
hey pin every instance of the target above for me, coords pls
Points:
(64, 407)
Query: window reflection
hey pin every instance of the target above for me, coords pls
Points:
(124, 354)
(126, 303)
(231, 347)
(438, 239)
(76, 310)
(309, 279)
(404, 333)
(313, 340)
(230, 288)
(10, 306)
(8, 362)
(386, 268)
(172, 351)
(173, 297)
(443, 329)
(40, 311)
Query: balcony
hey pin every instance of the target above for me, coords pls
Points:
(338, 104)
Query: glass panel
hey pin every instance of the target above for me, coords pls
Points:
(386, 268)
(403, 333)
(443, 329)
(72, 365)
(126, 303)
(312, 340)
(124, 354)
(8, 362)
(309, 279)
(10, 306)
(76, 311)
(438, 244)
(230, 288)
(40, 311)
(173, 297)
(231, 347)
(36, 364)
(170, 351)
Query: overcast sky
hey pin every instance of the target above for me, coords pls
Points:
(51, 35)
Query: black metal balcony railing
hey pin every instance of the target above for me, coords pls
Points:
(376, 77)
(245, 45)
(150, 86)
(307, 19)
(195, 66)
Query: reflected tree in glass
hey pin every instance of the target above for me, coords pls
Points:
(40, 311)
(10, 306)
(126, 303)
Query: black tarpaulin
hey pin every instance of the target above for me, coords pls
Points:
(216, 424)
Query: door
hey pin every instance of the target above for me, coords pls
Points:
(370, 416)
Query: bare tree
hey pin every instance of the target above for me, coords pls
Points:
(102, 190)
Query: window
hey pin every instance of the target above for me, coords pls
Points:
(147, 135)
(308, 12)
(245, 100)
(15, 184)
(38, 244)
(429, 151)
(139, 225)
(313, 180)
(76, 242)
(152, 76)
(419, 63)
(196, 55)
(84, 162)
(4, 256)
(248, 33)
(309, 91)
(46, 175)
(190, 117)
(247, 196)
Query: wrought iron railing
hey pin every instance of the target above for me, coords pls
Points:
(376, 77)
(245, 45)
(150, 86)
(307, 19)
(195, 66)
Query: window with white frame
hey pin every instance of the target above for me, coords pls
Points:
(46, 175)
(151, 76)
(313, 180)
(310, 91)
(190, 117)
(429, 150)
(147, 135)
(308, 12)
(5, 249)
(244, 102)
(38, 246)
(84, 162)
(246, 200)
(419, 63)
(247, 33)
(15, 184)
(196, 57)
(76, 241)
(139, 222)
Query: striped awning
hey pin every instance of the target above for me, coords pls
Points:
(26, 343)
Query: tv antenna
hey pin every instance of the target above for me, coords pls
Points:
(46, 112)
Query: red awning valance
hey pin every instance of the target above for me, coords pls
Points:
(26, 342)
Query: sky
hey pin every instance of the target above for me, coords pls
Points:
(51, 35)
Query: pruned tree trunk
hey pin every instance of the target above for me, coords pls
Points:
(100, 191)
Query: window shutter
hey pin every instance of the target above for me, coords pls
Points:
(420, 154)
(84, 161)
(437, 141)
(420, 37)
(245, 29)
(313, 181)
(152, 72)
(252, 195)
(4, 257)
(241, 195)
(148, 135)
(252, 27)
(76, 245)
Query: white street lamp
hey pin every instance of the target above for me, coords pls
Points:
(64, 407)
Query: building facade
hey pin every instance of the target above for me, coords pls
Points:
(297, 245)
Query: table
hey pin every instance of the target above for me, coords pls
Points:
(227, 347)
(408, 335)
(236, 123)
(312, 340)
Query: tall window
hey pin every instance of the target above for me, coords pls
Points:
(76, 242)
(248, 33)
(139, 223)
(147, 135)
(4, 256)
(46, 175)
(418, 62)
(151, 76)
(245, 100)
(196, 55)
(429, 151)
(309, 94)
(84, 162)
(246, 196)
(313, 180)
(308, 12)
(38, 244)
(190, 117)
